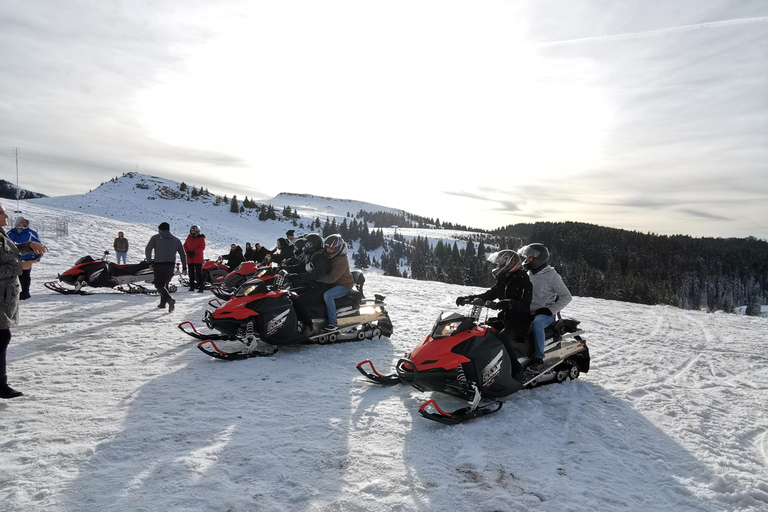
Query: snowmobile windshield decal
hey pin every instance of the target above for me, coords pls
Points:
(277, 322)
(493, 369)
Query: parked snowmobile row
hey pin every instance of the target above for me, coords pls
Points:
(466, 358)
(266, 312)
(89, 272)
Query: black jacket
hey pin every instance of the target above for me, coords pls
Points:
(515, 287)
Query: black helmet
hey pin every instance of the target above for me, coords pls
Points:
(534, 256)
(314, 243)
(506, 261)
(334, 246)
(298, 245)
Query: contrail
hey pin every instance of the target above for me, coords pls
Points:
(654, 33)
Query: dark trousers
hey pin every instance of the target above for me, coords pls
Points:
(196, 276)
(25, 279)
(5, 339)
(163, 275)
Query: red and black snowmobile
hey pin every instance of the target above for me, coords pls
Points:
(235, 279)
(263, 312)
(466, 358)
(105, 274)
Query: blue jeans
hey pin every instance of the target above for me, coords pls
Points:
(336, 292)
(122, 255)
(540, 322)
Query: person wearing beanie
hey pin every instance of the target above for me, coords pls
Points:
(165, 247)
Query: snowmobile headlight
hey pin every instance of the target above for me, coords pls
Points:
(261, 274)
(249, 290)
(446, 330)
(367, 310)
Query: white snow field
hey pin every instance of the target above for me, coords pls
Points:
(122, 412)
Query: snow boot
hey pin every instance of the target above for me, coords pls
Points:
(7, 391)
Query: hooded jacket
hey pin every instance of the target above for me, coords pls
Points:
(166, 247)
(120, 244)
(10, 270)
(20, 235)
(549, 291)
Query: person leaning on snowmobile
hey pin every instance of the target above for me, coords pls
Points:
(338, 279)
(194, 247)
(550, 296)
(165, 247)
(513, 290)
(250, 252)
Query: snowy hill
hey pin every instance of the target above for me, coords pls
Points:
(121, 412)
(149, 200)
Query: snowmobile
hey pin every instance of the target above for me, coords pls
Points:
(105, 274)
(213, 274)
(264, 314)
(467, 358)
(235, 279)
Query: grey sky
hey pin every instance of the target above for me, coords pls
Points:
(648, 115)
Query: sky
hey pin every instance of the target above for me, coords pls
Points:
(645, 115)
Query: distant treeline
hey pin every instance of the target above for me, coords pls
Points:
(8, 191)
(595, 261)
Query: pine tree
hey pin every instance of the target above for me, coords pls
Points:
(233, 206)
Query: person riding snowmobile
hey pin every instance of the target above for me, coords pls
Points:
(550, 295)
(235, 257)
(338, 279)
(513, 290)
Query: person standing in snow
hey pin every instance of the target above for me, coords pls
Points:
(550, 296)
(165, 247)
(121, 248)
(10, 270)
(20, 234)
(194, 246)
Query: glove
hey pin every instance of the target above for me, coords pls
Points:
(543, 311)
(190, 254)
(504, 305)
(460, 301)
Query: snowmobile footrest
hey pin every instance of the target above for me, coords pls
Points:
(232, 356)
(459, 415)
(387, 380)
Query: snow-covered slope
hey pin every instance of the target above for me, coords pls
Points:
(122, 413)
(148, 200)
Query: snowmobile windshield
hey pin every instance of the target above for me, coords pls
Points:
(84, 259)
(448, 324)
(251, 287)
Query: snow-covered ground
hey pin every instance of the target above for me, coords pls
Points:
(122, 413)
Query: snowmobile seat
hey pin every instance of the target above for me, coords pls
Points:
(128, 270)
(350, 300)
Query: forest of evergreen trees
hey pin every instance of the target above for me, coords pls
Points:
(691, 273)
(8, 191)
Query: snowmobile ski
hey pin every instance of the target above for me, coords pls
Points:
(233, 356)
(459, 415)
(386, 380)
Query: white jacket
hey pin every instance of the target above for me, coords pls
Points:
(549, 291)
